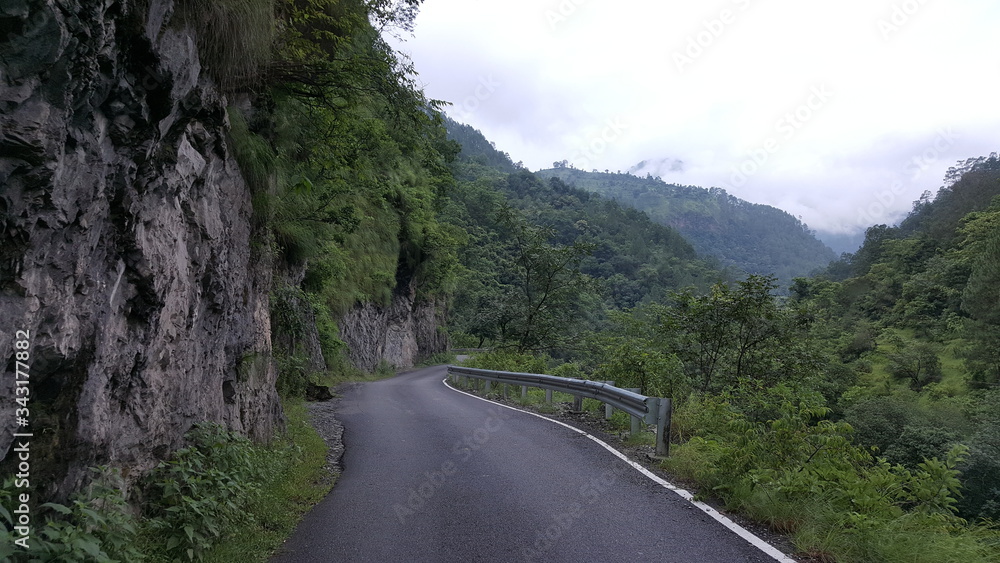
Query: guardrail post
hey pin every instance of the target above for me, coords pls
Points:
(504, 390)
(524, 391)
(608, 409)
(488, 386)
(548, 395)
(577, 403)
(663, 427)
(635, 420)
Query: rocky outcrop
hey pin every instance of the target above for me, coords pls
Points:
(293, 321)
(127, 245)
(400, 334)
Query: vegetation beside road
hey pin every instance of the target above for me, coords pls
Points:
(221, 498)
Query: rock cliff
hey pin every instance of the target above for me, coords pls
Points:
(127, 248)
(131, 256)
(401, 334)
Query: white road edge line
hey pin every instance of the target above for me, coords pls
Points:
(742, 532)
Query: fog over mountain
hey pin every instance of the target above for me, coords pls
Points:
(841, 114)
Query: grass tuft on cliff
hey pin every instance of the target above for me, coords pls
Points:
(235, 40)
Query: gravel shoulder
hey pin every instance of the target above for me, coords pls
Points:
(323, 417)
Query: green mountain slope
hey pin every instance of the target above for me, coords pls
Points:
(917, 310)
(515, 221)
(757, 239)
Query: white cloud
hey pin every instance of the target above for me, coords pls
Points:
(900, 72)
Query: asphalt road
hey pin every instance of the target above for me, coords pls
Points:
(431, 474)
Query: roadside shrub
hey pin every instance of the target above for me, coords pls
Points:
(918, 442)
(803, 475)
(879, 421)
(95, 526)
(641, 365)
(293, 375)
(571, 370)
(201, 490)
(504, 360)
(384, 370)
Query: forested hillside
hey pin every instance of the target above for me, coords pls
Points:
(916, 312)
(754, 238)
(476, 148)
(544, 262)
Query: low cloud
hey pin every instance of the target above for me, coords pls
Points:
(554, 89)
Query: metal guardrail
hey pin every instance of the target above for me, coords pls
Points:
(651, 410)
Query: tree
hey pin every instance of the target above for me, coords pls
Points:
(547, 284)
(981, 472)
(981, 298)
(871, 249)
(519, 290)
(631, 356)
(916, 362)
(738, 333)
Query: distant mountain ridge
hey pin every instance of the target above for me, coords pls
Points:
(755, 238)
(631, 258)
(749, 237)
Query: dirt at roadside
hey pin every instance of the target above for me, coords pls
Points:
(323, 417)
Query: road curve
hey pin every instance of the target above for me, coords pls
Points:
(431, 474)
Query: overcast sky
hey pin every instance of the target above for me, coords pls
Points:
(841, 113)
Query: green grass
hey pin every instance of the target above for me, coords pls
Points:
(258, 166)
(642, 438)
(593, 406)
(300, 483)
(953, 382)
(832, 508)
(534, 398)
(235, 38)
(900, 540)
